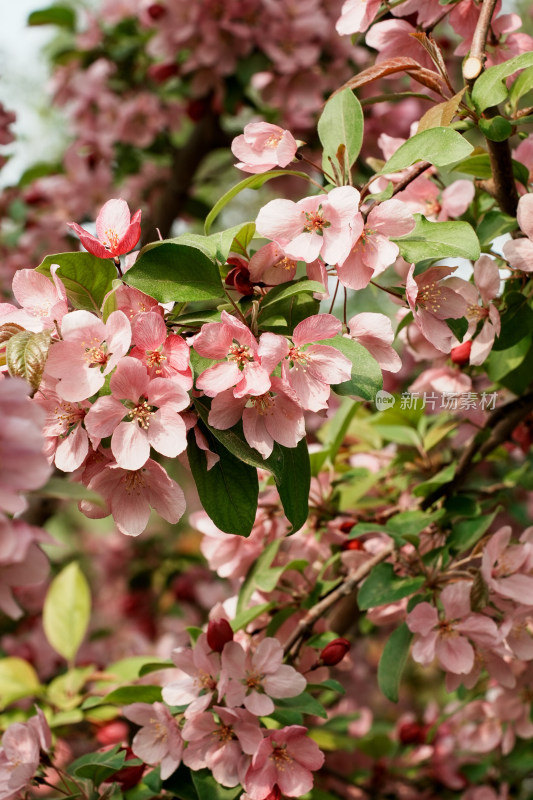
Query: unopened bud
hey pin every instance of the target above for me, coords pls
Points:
(461, 354)
(160, 73)
(219, 632)
(334, 652)
(156, 11)
(113, 732)
(412, 733)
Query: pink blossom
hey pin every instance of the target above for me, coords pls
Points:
(129, 495)
(424, 197)
(285, 757)
(199, 686)
(392, 38)
(67, 443)
(222, 746)
(374, 332)
(253, 679)
(316, 367)
(323, 225)
(263, 146)
(159, 741)
(88, 351)
(356, 16)
(117, 232)
(271, 266)
(43, 301)
(432, 302)
(152, 407)
(164, 354)
(22, 562)
(274, 416)
(448, 637)
(505, 566)
(487, 285)
(372, 251)
(20, 754)
(133, 302)
(519, 252)
(23, 464)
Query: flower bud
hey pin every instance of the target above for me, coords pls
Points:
(219, 632)
(412, 733)
(113, 732)
(334, 652)
(461, 354)
(160, 73)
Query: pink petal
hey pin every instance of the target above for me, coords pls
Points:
(130, 446)
(315, 328)
(455, 653)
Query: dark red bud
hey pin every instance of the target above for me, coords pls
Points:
(334, 652)
(461, 354)
(353, 544)
(219, 632)
(347, 526)
(113, 732)
(197, 109)
(156, 10)
(239, 279)
(127, 777)
(160, 73)
(412, 733)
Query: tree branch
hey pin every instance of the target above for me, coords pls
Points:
(348, 585)
(473, 66)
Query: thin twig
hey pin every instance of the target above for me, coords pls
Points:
(473, 66)
(305, 625)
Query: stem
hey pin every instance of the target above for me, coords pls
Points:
(473, 66)
(415, 171)
(386, 289)
(326, 175)
(236, 307)
(334, 297)
(304, 627)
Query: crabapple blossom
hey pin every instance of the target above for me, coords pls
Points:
(274, 416)
(66, 440)
(519, 252)
(22, 562)
(129, 495)
(374, 332)
(164, 354)
(263, 146)
(424, 197)
(271, 266)
(432, 302)
(20, 754)
(159, 741)
(324, 225)
(201, 667)
(87, 352)
(356, 16)
(316, 367)
(253, 679)
(372, 251)
(223, 747)
(286, 757)
(117, 232)
(487, 285)
(153, 408)
(43, 301)
(505, 567)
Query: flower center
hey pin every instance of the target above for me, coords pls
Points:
(253, 680)
(111, 239)
(224, 733)
(280, 757)
(285, 263)
(141, 413)
(298, 358)
(263, 403)
(68, 416)
(133, 481)
(273, 140)
(430, 297)
(95, 354)
(240, 353)
(315, 222)
(154, 358)
(206, 681)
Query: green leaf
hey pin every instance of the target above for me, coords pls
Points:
(458, 327)
(479, 166)
(384, 586)
(283, 317)
(26, 354)
(438, 146)
(501, 362)
(175, 272)
(61, 15)
(64, 692)
(252, 182)
(489, 89)
(426, 487)
(67, 610)
(62, 489)
(218, 245)
(229, 490)
(497, 129)
(284, 290)
(516, 321)
(393, 661)
(98, 767)
(521, 86)
(290, 467)
(467, 532)
(208, 789)
(87, 279)
(18, 679)
(258, 571)
(494, 224)
(366, 377)
(410, 523)
(341, 124)
(431, 240)
(125, 695)
(304, 703)
(248, 615)
(400, 434)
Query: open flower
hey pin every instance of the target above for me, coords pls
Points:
(519, 252)
(159, 741)
(432, 302)
(117, 232)
(263, 146)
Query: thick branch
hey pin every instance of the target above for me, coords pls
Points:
(501, 424)
(206, 136)
(348, 585)
(475, 62)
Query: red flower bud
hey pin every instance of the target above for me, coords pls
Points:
(412, 733)
(461, 354)
(239, 279)
(160, 73)
(156, 11)
(113, 732)
(353, 544)
(334, 652)
(218, 633)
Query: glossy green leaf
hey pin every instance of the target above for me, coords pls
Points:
(247, 615)
(67, 610)
(393, 661)
(438, 146)
(384, 586)
(97, 767)
(497, 129)
(490, 89)
(366, 377)
(467, 532)
(479, 166)
(175, 272)
(284, 290)
(501, 362)
(285, 315)
(208, 789)
(87, 279)
(26, 354)
(18, 679)
(229, 490)
(431, 240)
(252, 182)
(304, 703)
(144, 693)
(218, 245)
(340, 130)
(516, 321)
(494, 224)
(61, 15)
(64, 692)
(521, 86)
